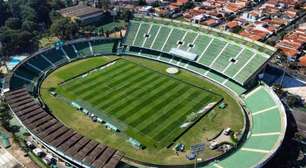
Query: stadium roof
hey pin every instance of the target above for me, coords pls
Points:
(183, 54)
(80, 11)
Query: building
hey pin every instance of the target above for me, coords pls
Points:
(84, 14)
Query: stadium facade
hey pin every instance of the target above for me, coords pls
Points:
(226, 59)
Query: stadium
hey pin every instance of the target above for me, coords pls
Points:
(107, 102)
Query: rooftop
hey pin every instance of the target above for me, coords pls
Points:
(79, 11)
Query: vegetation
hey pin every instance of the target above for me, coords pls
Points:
(208, 126)
(151, 105)
(22, 21)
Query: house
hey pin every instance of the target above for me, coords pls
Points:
(84, 14)
(302, 61)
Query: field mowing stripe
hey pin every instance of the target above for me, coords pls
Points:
(126, 106)
(148, 100)
(166, 127)
(90, 78)
(163, 111)
(105, 72)
(87, 89)
(129, 90)
(94, 99)
(158, 104)
(77, 83)
(122, 91)
(110, 79)
(173, 127)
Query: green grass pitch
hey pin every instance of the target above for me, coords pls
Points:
(152, 106)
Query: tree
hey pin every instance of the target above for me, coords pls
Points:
(42, 9)
(28, 13)
(64, 28)
(142, 2)
(5, 117)
(294, 100)
(29, 26)
(3, 12)
(13, 23)
(57, 4)
(187, 5)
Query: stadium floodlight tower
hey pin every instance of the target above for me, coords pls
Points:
(196, 149)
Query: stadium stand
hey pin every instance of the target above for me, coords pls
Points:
(102, 47)
(268, 127)
(219, 53)
(219, 59)
(71, 53)
(27, 74)
(50, 131)
(83, 49)
(191, 66)
(56, 56)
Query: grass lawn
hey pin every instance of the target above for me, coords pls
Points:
(152, 105)
(210, 125)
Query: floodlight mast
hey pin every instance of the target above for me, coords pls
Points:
(196, 159)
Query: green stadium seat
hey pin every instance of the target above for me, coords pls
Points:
(102, 46)
(189, 39)
(140, 35)
(17, 83)
(83, 49)
(172, 42)
(256, 62)
(215, 77)
(132, 29)
(226, 57)
(200, 44)
(70, 51)
(40, 63)
(161, 38)
(212, 52)
(244, 56)
(220, 53)
(152, 35)
(234, 87)
(55, 56)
